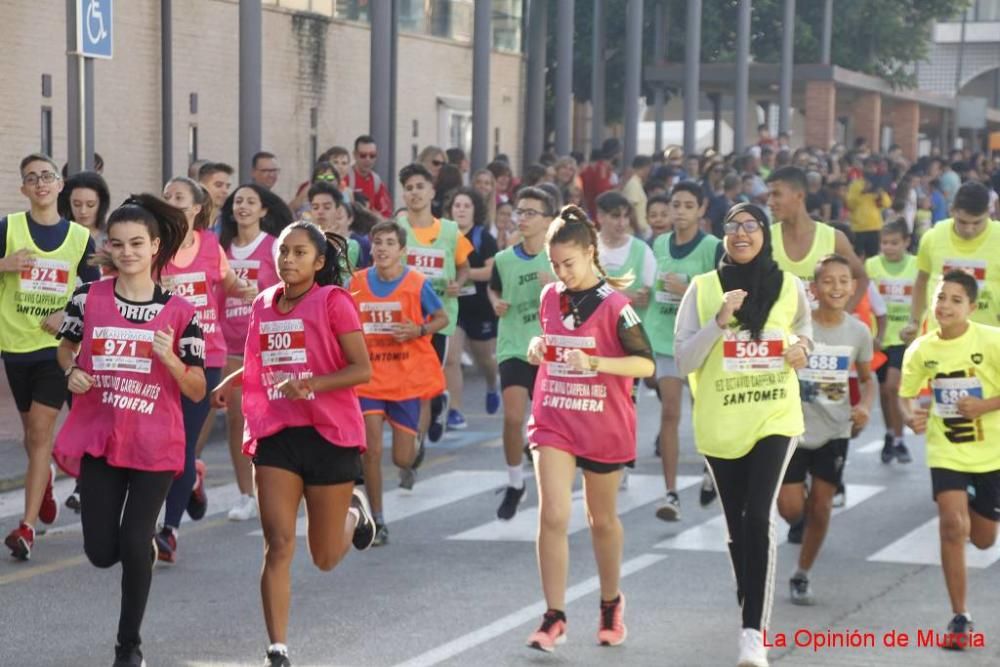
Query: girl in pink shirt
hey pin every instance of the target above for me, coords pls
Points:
(305, 353)
(591, 348)
(131, 351)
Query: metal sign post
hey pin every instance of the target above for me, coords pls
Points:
(88, 36)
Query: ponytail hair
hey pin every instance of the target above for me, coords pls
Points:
(163, 221)
(332, 247)
(574, 226)
(200, 196)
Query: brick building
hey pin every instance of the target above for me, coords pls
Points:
(315, 57)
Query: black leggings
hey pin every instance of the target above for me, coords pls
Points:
(748, 490)
(119, 509)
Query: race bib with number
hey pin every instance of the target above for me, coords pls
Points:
(826, 376)
(468, 289)
(191, 286)
(974, 267)
(428, 261)
(381, 317)
(662, 294)
(556, 349)
(743, 354)
(282, 342)
(245, 269)
(48, 276)
(949, 391)
(896, 291)
(122, 349)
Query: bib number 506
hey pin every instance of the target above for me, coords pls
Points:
(753, 348)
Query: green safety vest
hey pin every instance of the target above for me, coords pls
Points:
(523, 291)
(437, 262)
(894, 281)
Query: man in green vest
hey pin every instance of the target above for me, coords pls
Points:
(43, 256)
(436, 248)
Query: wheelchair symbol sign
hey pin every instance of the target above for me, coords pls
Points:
(94, 28)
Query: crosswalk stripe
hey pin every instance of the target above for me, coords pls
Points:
(711, 535)
(12, 502)
(922, 546)
(643, 489)
(429, 494)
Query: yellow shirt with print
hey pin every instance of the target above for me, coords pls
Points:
(942, 249)
(967, 365)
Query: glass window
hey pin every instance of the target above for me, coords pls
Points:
(351, 10)
(448, 19)
(507, 21)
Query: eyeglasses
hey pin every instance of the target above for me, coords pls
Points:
(437, 163)
(270, 171)
(46, 177)
(527, 213)
(749, 227)
(367, 156)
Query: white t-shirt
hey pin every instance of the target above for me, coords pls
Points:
(613, 258)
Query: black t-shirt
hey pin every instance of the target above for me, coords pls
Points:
(192, 341)
(477, 306)
(577, 307)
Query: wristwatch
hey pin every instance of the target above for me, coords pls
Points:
(593, 363)
(69, 371)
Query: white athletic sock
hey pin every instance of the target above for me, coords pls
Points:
(278, 648)
(516, 474)
(898, 440)
(800, 572)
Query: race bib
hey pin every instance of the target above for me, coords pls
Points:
(556, 349)
(743, 354)
(896, 291)
(282, 342)
(975, 267)
(191, 286)
(662, 294)
(48, 276)
(468, 289)
(245, 269)
(122, 349)
(949, 391)
(428, 261)
(381, 317)
(826, 376)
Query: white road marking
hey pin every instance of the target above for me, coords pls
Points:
(922, 546)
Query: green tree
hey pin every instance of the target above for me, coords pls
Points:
(879, 37)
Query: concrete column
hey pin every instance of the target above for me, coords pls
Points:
(906, 127)
(741, 93)
(380, 76)
(821, 113)
(787, 65)
(827, 41)
(251, 74)
(597, 77)
(481, 49)
(166, 91)
(633, 77)
(866, 118)
(534, 121)
(692, 74)
(564, 75)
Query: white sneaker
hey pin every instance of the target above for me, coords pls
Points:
(752, 651)
(245, 508)
(623, 484)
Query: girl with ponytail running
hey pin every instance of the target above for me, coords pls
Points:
(591, 348)
(304, 355)
(130, 351)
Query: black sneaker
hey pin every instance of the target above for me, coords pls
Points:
(364, 532)
(796, 530)
(73, 499)
(407, 478)
(902, 453)
(421, 451)
(511, 499)
(888, 451)
(128, 655)
(801, 591)
(656, 445)
(381, 535)
(670, 509)
(439, 417)
(277, 659)
(707, 494)
(958, 635)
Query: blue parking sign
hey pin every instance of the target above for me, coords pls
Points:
(94, 28)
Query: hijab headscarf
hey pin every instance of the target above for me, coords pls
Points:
(761, 277)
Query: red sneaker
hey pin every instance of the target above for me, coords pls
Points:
(49, 511)
(198, 503)
(612, 631)
(165, 542)
(20, 541)
(550, 633)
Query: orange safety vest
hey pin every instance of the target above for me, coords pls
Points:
(400, 371)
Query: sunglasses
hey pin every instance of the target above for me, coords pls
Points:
(733, 226)
(367, 156)
(437, 163)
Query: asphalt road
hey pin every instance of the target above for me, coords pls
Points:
(456, 587)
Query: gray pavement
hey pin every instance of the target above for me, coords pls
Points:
(455, 587)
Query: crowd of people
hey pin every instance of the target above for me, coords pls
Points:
(788, 290)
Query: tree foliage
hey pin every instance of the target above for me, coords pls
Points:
(884, 38)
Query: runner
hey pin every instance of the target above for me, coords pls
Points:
(85, 200)
(519, 274)
(477, 323)
(399, 311)
(830, 419)
(304, 356)
(796, 234)
(658, 216)
(199, 272)
(893, 272)
(960, 362)
(436, 249)
(591, 348)
(746, 326)
(126, 446)
(41, 257)
(967, 241)
(330, 213)
(680, 255)
(249, 227)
